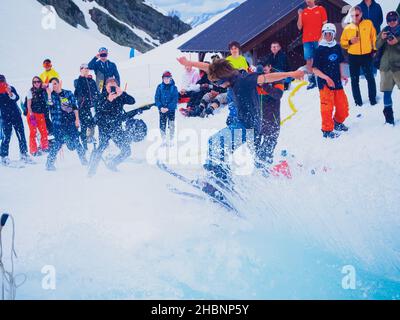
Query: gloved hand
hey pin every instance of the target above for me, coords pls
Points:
(33, 121)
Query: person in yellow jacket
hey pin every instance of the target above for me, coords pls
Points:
(359, 39)
(236, 59)
(49, 72)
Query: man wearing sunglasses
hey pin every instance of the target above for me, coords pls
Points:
(359, 39)
(389, 42)
(103, 68)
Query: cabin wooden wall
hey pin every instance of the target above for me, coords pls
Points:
(287, 33)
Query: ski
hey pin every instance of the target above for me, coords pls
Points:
(185, 194)
(214, 193)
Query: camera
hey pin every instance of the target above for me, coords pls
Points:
(113, 89)
(390, 36)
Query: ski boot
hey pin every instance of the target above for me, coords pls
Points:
(341, 127)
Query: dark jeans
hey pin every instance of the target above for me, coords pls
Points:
(167, 118)
(9, 122)
(107, 132)
(269, 136)
(357, 63)
(66, 134)
(87, 122)
(224, 143)
(49, 124)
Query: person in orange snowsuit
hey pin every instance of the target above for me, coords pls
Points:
(329, 68)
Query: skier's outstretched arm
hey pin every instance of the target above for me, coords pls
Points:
(200, 65)
(277, 76)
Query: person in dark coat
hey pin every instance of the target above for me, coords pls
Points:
(65, 118)
(104, 69)
(11, 118)
(166, 100)
(248, 125)
(109, 113)
(278, 60)
(270, 96)
(87, 95)
(372, 10)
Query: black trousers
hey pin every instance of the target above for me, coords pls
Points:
(364, 62)
(107, 132)
(65, 134)
(87, 122)
(49, 124)
(167, 118)
(10, 122)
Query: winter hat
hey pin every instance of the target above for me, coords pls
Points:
(392, 15)
(103, 50)
(2, 78)
(84, 66)
(167, 74)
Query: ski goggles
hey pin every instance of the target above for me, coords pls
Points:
(392, 19)
(103, 55)
(47, 65)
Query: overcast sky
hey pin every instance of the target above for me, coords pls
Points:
(193, 7)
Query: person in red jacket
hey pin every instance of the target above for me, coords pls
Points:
(311, 21)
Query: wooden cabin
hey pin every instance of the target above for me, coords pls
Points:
(255, 24)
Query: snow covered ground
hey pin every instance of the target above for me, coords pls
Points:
(124, 235)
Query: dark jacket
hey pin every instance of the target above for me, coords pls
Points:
(279, 61)
(111, 113)
(271, 95)
(86, 93)
(107, 69)
(374, 13)
(8, 107)
(39, 101)
(167, 96)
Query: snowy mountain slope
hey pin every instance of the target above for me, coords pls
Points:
(132, 24)
(204, 17)
(67, 46)
(86, 7)
(124, 235)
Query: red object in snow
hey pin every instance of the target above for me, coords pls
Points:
(282, 169)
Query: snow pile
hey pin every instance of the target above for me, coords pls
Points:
(124, 235)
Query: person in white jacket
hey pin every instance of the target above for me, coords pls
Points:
(189, 82)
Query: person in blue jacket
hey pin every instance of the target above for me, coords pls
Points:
(372, 11)
(104, 69)
(11, 118)
(166, 99)
(65, 118)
